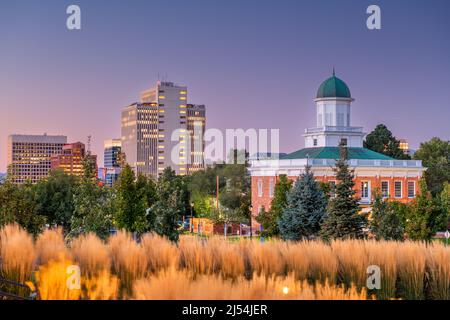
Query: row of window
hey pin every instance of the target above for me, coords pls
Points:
(385, 190)
(365, 189)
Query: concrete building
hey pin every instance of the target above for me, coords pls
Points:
(396, 179)
(196, 126)
(70, 160)
(29, 156)
(155, 131)
(112, 152)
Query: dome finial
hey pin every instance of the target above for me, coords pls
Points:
(334, 73)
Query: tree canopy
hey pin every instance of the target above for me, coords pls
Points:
(383, 141)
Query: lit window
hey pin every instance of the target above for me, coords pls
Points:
(162, 97)
(183, 98)
(385, 189)
(411, 189)
(365, 189)
(183, 92)
(398, 189)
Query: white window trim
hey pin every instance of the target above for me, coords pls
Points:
(260, 188)
(388, 189)
(271, 188)
(368, 190)
(414, 189)
(401, 189)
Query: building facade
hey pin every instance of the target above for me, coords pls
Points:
(196, 126)
(111, 161)
(155, 131)
(396, 179)
(29, 156)
(70, 160)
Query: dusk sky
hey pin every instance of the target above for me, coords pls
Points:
(253, 63)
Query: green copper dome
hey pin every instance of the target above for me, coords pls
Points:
(333, 87)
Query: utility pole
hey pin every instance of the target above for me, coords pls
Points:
(217, 193)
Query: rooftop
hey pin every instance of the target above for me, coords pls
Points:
(334, 153)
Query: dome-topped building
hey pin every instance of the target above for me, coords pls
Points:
(333, 87)
(333, 127)
(396, 179)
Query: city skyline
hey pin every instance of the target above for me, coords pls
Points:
(249, 64)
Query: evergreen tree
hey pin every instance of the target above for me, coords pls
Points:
(343, 219)
(386, 222)
(269, 219)
(305, 209)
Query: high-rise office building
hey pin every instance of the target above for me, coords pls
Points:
(140, 137)
(29, 156)
(155, 132)
(112, 153)
(112, 150)
(195, 125)
(70, 160)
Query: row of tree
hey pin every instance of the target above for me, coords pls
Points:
(80, 204)
(137, 204)
(311, 210)
(435, 155)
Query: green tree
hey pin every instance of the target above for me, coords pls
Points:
(54, 198)
(435, 156)
(445, 201)
(93, 204)
(305, 209)
(343, 219)
(269, 219)
(386, 223)
(135, 197)
(171, 204)
(425, 216)
(381, 140)
(17, 204)
(235, 196)
(202, 190)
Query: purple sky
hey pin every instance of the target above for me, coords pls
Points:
(254, 63)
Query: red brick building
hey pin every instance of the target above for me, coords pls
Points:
(396, 179)
(71, 159)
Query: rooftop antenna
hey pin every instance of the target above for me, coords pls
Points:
(89, 138)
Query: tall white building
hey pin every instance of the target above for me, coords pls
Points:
(155, 131)
(333, 126)
(29, 156)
